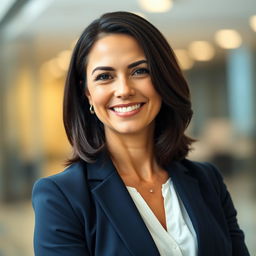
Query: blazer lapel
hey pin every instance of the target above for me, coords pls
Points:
(120, 209)
(188, 190)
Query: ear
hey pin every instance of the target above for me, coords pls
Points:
(88, 95)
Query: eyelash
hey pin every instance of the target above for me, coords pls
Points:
(108, 76)
(101, 77)
(144, 71)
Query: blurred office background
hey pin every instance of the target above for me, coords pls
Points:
(215, 42)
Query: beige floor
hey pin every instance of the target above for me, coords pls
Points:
(16, 229)
(16, 221)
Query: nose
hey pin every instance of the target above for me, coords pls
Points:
(124, 88)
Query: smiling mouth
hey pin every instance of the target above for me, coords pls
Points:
(127, 108)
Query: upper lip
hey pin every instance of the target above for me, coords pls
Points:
(126, 105)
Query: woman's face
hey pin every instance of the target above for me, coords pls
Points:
(119, 85)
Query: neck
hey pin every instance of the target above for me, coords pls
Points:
(133, 155)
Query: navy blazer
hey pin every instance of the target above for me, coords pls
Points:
(87, 210)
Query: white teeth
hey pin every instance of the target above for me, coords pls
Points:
(127, 109)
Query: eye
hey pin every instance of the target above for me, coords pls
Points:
(140, 71)
(103, 77)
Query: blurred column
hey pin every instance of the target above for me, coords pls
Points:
(20, 161)
(241, 91)
(2, 157)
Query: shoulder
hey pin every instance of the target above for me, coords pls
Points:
(201, 168)
(66, 189)
(209, 181)
(62, 206)
(72, 178)
(205, 173)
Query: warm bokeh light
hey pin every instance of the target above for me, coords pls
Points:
(156, 5)
(183, 58)
(201, 51)
(64, 59)
(51, 68)
(25, 112)
(228, 38)
(73, 43)
(253, 22)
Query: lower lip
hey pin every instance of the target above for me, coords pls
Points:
(128, 114)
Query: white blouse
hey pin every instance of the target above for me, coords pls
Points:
(180, 237)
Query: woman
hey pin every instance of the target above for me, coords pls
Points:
(129, 189)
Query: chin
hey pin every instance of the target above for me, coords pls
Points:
(133, 130)
(128, 131)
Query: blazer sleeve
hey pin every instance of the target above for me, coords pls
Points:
(58, 230)
(237, 236)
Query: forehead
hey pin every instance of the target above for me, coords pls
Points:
(114, 48)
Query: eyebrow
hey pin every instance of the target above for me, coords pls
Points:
(132, 65)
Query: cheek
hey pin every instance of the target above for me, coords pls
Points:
(99, 97)
(156, 99)
(152, 93)
(149, 88)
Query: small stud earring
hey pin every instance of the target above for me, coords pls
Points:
(91, 110)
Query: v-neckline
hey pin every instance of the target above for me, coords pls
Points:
(150, 212)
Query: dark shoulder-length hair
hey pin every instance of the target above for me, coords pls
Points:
(86, 132)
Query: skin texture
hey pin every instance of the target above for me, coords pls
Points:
(122, 85)
(118, 76)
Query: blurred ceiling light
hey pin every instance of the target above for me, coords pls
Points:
(5, 7)
(201, 51)
(156, 5)
(183, 58)
(64, 59)
(253, 22)
(228, 38)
